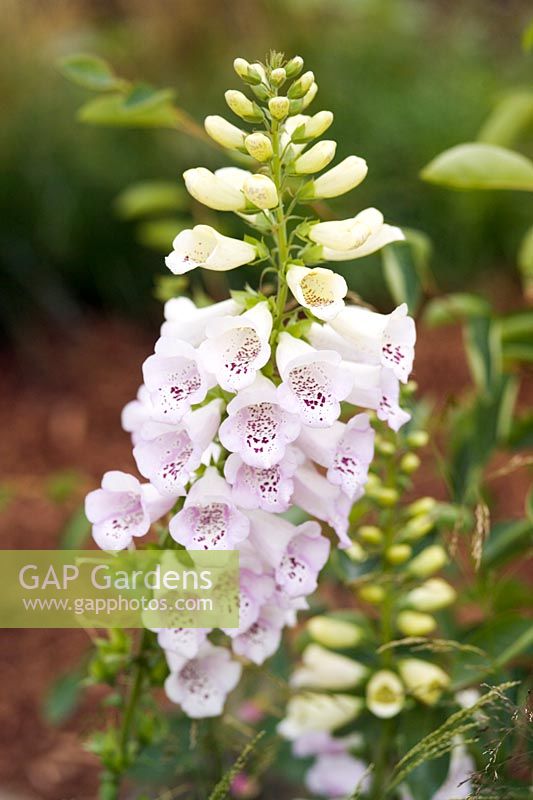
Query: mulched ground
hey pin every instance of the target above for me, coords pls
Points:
(59, 406)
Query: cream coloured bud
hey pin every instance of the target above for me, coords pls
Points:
(314, 711)
(415, 623)
(372, 593)
(224, 133)
(300, 87)
(398, 554)
(310, 95)
(429, 561)
(294, 66)
(259, 146)
(261, 191)
(356, 553)
(279, 107)
(425, 681)
(433, 595)
(338, 180)
(385, 695)
(332, 632)
(316, 158)
(409, 463)
(424, 505)
(241, 66)
(370, 534)
(242, 106)
(322, 669)
(278, 76)
(417, 528)
(318, 124)
(213, 191)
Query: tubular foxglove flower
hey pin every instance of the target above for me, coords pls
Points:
(385, 694)
(256, 589)
(313, 384)
(262, 638)
(237, 347)
(316, 495)
(182, 642)
(314, 711)
(257, 427)
(123, 509)
(218, 190)
(306, 554)
(322, 669)
(386, 339)
(386, 234)
(136, 413)
(425, 681)
(267, 488)
(224, 133)
(184, 320)
(338, 180)
(261, 191)
(337, 775)
(316, 158)
(347, 234)
(320, 290)
(204, 247)
(209, 519)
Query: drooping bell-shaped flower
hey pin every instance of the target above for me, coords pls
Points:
(347, 234)
(379, 238)
(200, 685)
(424, 680)
(123, 509)
(219, 190)
(182, 642)
(203, 246)
(269, 488)
(237, 347)
(224, 133)
(315, 494)
(346, 450)
(338, 180)
(385, 694)
(263, 637)
(314, 383)
(320, 290)
(337, 776)
(306, 554)
(185, 321)
(257, 427)
(136, 413)
(209, 519)
(255, 589)
(322, 669)
(314, 711)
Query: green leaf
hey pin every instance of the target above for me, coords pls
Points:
(507, 540)
(454, 308)
(143, 96)
(113, 110)
(483, 350)
(425, 779)
(508, 120)
(91, 72)
(480, 166)
(525, 262)
(501, 639)
(62, 699)
(151, 197)
(527, 37)
(76, 531)
(401, 274)
(521, 432)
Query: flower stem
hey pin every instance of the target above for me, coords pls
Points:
(279, 232)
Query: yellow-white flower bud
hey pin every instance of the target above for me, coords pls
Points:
(310, 95)
(294, 66)
(241, 66)
(259, 146)
(300, 87)
(417, 527)
(261, 191)
(356, 553)
(224, 133)
(316, 158)
(398, 554)
(433, 595)
(278, 76)
(424, 505)
(313, 127)
(279, 107)
(242, 106)
(322, 669)
(333, 632)
(314, 711)
(213, 191)
(415, 623)
(429, 561)
(385, 694)
(338, 180)
(424, 680)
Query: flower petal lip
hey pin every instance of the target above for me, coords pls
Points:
(261, 191)
(213, 191)
(385, 694)
(320, 290)
(387, 234)
(203, 246)
(348, 234)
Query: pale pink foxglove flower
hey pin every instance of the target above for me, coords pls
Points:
(346, 450)
(269, 539)
(320, 290)
(200, 685)
(188, 322)
(237, 347)
(209, 519)
(316, 743)
(123, 509)
(306, 554)
(182, 642)
(386, 339)
(321, 499)
(202, 246)
(175, 379)
(169, 454)
(257, 427)
(314, 383)
(254, 592)
(262, 638)
(337, 776)
(136, 413)
(270, 488)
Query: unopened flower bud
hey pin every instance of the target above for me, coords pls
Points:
(242, 106)
(385, 448)
(316, 158)
(356, 553)
(332, 632)
(300, 87)
(409, 463)
(261, 92)
(294, 67)
(433, 595)
(338, 180)
(279, 107)
(261, 191)
(322, 669)
(241, 66)
(424, 680)
(318, 124)
(370, 534)
(278, 76)
(429, 561)
(417, 528)
(417, 438)
(385, 694)
(372, 593)
(384, 496)
(424, 505)
(224, 133)
(310, 95)
(314, 711)
(398, 554)
(415, 623)
(259, 146)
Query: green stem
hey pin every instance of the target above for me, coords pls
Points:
(279, 232)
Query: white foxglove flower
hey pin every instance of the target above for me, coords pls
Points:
(316, 158)
(346, 450)
(424, 680)
(433, 595)
(218, 190)
(347, 234)
(259, 146)
(184, 320)
(209, 519)
(257, 427)
(314, 382)
(385, 694)
(267, 488)
(320, 290)
(224, 133)
(313, 127)
(321, 499)
(458, 783)
(314, 711)
(334, 632)
(175, 379)
(237, 347)
(204, 247)
(385, 235)
(322, 669)
(338, 180)
(386, 339)
(260, 190)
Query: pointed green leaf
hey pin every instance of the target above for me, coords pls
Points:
(112, 110)
(455, 308)
(90, 72)
(506, 541)
(480, 166)
(401, 274)
(483, 350)
(151, 197)
(511, 117)
(525, 262)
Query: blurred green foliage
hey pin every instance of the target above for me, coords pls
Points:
(406, 79)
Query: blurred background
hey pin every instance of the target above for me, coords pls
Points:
(405, 79)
